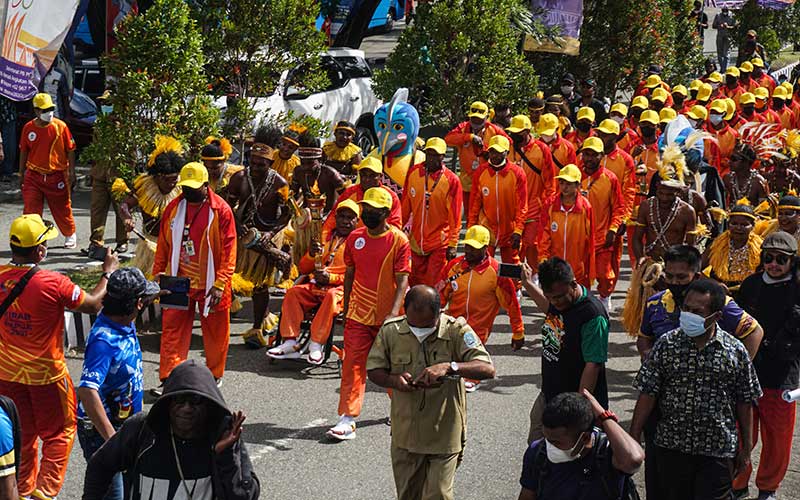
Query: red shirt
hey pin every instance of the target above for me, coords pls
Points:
(32, 330)
(47, 146)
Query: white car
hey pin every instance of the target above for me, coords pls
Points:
(349, 95)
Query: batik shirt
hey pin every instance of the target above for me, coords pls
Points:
(697, 392)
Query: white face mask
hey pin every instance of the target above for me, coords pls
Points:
(548, 138)
(567, 90)
(497, 165)
(46, 116)
(558, 456)
(715, 119)
(617, 119)
(422, 333)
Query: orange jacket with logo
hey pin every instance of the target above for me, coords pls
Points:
(470, 155)
(603, 191)
(332, 259)
(500, 201)
(542, 185)
(478, 293)
(356, 193)
(568, 232)
(621, 164)
(431, 207)
(563, 153)
(734, 94)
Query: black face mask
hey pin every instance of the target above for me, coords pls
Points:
(583, 126)
(748, 110)
(372, 219)
(193, 195)
(678, 293)
(648, 131)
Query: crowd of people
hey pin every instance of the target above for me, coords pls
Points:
(699, 180)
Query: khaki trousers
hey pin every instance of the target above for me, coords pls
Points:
(424, 477)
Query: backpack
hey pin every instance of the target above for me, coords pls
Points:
(7, 405)
(600, 461)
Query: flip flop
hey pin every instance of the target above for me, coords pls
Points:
(342, 431)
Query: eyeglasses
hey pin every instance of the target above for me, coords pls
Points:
(781, 259)
(190, 399)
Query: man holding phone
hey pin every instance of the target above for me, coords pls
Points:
(421, 356)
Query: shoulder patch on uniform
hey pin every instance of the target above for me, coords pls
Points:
(471, 340)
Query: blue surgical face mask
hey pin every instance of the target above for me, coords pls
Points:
(693, 324)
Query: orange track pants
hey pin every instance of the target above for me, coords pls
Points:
(508, 255)
(530, 250)
(54, 188)
(607, 262)
(301, 298)
(425, 269)
(776, 420)
(46, 412)
(358, 340)
(176, 336)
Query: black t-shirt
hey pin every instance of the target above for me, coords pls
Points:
(776, 307)
(597, 105)
(157, 476)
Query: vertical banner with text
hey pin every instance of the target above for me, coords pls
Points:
(33, 33)
(567, 16)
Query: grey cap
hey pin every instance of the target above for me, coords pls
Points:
(780, 241)
(130, 283)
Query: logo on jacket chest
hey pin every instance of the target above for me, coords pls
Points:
(360, 243)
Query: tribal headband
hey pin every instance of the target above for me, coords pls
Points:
(213, 157)
(309, 153)
(261, 150)
(290, 140)
(343, 127)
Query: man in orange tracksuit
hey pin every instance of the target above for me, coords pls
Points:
(584, 127)
(563, 151)
(785, 113)
(501, 200)
(370, 171)
(323, 287)
(470, 139)
(568, 226)
(537, 162)
(473, 290)
(602, 189)
(432, 213)
(725, 134)
(47, 167)
(197, 240)
(732, 88)
(377, 257)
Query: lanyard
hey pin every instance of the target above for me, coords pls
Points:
(189, 225)
(428, 194)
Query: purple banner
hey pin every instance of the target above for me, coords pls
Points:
(567, 15)
(738, 4)
(16, 82)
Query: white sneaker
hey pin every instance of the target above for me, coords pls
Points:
(71, 241)
(287, 350)
(345, 430)
(315, 353)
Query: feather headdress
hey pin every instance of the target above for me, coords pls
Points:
(791, 143)
(764, 138)
(164, 144)
(224, 144)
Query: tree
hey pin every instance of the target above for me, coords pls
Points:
(619, 40)
(775, 27)
(248, 45)
(159, 89)
(458, 51)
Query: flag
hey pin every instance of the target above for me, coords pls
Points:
(33, 31)
(567, 16)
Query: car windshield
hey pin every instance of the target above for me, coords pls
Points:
(299, 85)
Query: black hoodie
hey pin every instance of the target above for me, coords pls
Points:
(232, 473)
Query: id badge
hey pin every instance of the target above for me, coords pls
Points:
(188, 248)
(475, 164)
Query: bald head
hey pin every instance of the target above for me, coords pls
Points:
(422, 306)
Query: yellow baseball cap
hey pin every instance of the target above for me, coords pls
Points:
(715, 77)
(193, 175)
(733, 71)
(371, 163)
(477, 237)
(519, 123)
(548, 124)
(377, 197)
(649, 116)
(762, 93)
(746, 67)
(719, 106)
(788, 86)
(659, 95)
(620, 109)
(731, 108)
(779, 93)
(593, 144)
(608, 126)
(570, 173)
(349, 203)
(698, 112)
(587, 113)
(695, 84)
(499, 143)
(30, 230)
(652, 81)
(666, 115)
(640, 101)
(704, 92)
(757, 62)
(43, 101)
(437, 144)
(478, 109)
(680, 89)
(747, 98)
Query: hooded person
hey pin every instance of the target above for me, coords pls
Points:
(190, 441)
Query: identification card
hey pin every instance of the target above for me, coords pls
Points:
(188, 248)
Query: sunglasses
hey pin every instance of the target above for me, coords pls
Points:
(477, 110)
(190, 399)
(781, 259)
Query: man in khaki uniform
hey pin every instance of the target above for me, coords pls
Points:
(429, 411)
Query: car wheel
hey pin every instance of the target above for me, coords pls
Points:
(365, 139)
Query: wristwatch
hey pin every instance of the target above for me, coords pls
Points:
(606, 415)
(106, 275)
(454, 367)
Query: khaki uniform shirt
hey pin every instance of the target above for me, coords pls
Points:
(427, 421)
